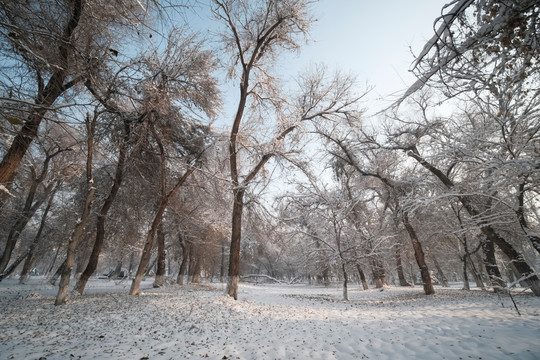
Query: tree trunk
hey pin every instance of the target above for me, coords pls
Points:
(165, 198)
(11, 268)
(419, 256)
(44, 99)
(197, 270)
(520, 213)
(53, 262)
(326, 276)
(222, 266)
(101, 219)
(29, 262)
(444, 280)
(131, 262)
(63, 287)
(236, 235)
(30, 259)
(378, 273)
(491, 265)
(147, 252)
(29, 209)
(466, 285)
(57, 274)
(362, 277)
(524, 269)
(345, 281)
(117, 269)
(186, 248)
(399, 266)
(160, 272)
(477, 273)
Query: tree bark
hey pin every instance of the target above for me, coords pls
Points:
(186, 248)
(524, 269)
(399, 266)
(29, 209)
(520, 213)
(419, 256)
(362, 277)
(101, 219)
(236, 235)
(30, 259)
(345, 282)
(466, 285)
(164, 201)
(196, 270)
(325, 276)
(145, 258)
(11, 268)
(378, 272)
(444, 280)
(477, 273)
(117, 269)
(57, 273)
(53, 262)
(63, 287)
(490, 263)
(160, 272)
(222, 265)
(28, 263)
(44, 99)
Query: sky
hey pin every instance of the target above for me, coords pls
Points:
(372, 39)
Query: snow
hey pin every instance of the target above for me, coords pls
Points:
(266, 322)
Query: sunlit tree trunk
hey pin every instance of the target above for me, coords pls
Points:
(29, 209)
(78, 232)
(101, 219)
(490, 262)
(236, 235)
(147, 249)
(362, 277)
(186, 248)
(444, 280)
(44, 99)
(399, 267)
(57, 273)
(524, 269)
(30, 259)
(160, 272)
(419, 256)
(466, 285)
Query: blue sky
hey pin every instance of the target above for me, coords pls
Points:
(372, 39)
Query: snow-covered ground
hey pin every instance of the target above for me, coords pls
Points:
(267, 322)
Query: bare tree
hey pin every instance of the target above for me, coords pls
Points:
(78, 231)
(181, 84)
(49, 47)
(347, 145)
(255, 34)
(31, 205)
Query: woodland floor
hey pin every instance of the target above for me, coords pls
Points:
(266, 322)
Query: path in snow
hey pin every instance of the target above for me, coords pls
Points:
(267, 322)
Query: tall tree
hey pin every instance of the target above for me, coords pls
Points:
(179, 84)
(255, 34)
(80, 226)
(48, 47)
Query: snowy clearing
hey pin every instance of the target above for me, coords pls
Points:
(267, 322)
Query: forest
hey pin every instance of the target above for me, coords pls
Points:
(118, 161)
